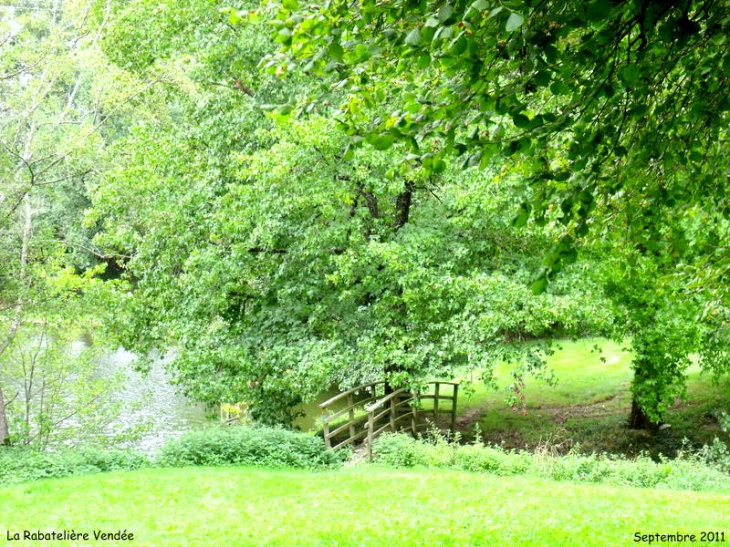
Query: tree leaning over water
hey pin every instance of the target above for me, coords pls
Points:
(615, 112)
(279, 264)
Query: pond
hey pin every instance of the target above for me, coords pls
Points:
(158, 402)
(169, 411)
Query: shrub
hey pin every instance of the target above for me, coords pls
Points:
(19, 464)
(245, 445)
(683, 473)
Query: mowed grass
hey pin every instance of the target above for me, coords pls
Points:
(589, 406)
(586, 371)
(360, 506)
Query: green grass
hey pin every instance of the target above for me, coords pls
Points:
(588, 408)
(583, 375)
(361, 506)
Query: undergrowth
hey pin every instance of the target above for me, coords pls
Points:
(258, 446)
(218, 446)
(686, 472)
(20, 464)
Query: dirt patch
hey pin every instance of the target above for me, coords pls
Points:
(469, 417)
(597, 409)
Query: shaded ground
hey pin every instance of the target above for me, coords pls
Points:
(600, 425)
(587, 410)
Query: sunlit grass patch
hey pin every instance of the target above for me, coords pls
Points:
(354, 507)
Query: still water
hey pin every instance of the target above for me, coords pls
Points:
(168, 411)
(158, 403)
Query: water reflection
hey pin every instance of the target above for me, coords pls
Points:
(156, 402)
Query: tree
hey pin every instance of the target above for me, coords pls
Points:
(604, 101)
(55, 103)
(615, 112)
(276, 262)
(311, 270)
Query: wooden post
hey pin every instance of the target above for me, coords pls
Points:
(414, 416)
(436, 405)
(351, 414)
(453, 409)
(393, 402)
(326, 428)
(370, 436)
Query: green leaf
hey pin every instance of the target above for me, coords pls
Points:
(542, 78)
(514, 22)
(459, 46)
(414, 37)
(539, 285)
(439, 166)
(445, 12)
(521, 121)
(559, 88)
(696, 156)
(480, 5)
(631, 74)
(336, 51)
(523, 216)
(598, 10)
(383, 142)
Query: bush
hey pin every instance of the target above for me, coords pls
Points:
(19, 464)
(245, 445)
(683, 473)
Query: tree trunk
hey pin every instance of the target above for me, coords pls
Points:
(4, 430)
(403, 206)
(639, 420)
(402, 215)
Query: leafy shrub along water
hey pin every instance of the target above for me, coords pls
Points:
(683, 473)
(24, 464)
(259, 446)
(256, 446)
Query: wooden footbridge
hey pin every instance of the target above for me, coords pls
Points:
(360, 414)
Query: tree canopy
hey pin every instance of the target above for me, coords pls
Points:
(614, 113)
(618, 110)
(278, 263)
(407, 188)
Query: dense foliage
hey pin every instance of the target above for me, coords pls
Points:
(683, 473)
(156, 181)
(25, 464)
(58, 97)
(278, 263)
(253, 446)
(614, 114)
(616, 110)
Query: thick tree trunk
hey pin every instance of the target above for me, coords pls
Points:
(639, 420)
(402, 215)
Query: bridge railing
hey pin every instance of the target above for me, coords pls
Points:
(388, 413)
(368, 411)
(437, 397)
(354, 401)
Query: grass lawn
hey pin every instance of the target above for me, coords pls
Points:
(362, 506)
(589, 406)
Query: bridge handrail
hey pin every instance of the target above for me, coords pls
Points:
(380, 402)
(352, 391)
(388, 407)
